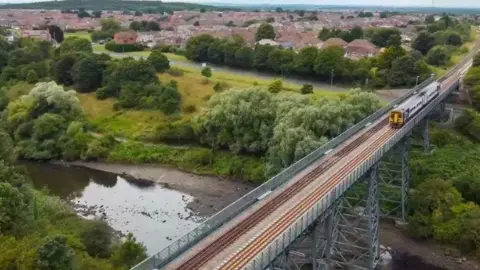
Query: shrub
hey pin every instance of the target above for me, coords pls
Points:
(119, 48)
(97, 239)
(174, 71)
(275, 86)
(190, 108)
(32, 77)
(306, 89)
(220, 86)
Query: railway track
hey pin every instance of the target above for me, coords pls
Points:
(282, 223)
(248, 223)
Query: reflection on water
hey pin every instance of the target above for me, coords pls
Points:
(154, 214)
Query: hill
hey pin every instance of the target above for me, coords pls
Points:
(147, 6)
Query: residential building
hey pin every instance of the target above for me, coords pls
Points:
(360, 48)
(334, 42)
(40, 34)
(128, 37)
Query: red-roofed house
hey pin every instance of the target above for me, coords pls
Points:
(334, 42)
(40, 34)
(129, 37)
(360, 48)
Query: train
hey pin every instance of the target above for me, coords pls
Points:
(403, 112)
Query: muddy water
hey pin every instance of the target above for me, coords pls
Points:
(154, 214)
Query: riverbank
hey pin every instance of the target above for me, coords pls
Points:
(409, 253)
(210, 193)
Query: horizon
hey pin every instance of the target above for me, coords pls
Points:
(342, 3)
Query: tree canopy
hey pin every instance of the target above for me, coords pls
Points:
(265, 31)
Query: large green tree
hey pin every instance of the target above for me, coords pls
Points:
(328, 60)
(265, 31)
(424, 42)
(197, 47)
(305, 60)
(159, 61)
(244, 57)
(54, 253)
(262, 53)
(87, 74)
(75, 45)
(438, 55)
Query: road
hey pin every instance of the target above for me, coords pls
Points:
(253, 74)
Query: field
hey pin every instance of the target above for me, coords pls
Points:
(82, 34)
(195, 94)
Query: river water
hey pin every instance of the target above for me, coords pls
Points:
(154, 214)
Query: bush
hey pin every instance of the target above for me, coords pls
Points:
(221, 86)
(97, 239)
(276, 86)
(119, 48)
(190, 109)
(32, 77)
(159, 61)
(306, 89)
(174, 71)
(438, 55)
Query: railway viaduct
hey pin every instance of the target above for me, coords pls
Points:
(321, 212)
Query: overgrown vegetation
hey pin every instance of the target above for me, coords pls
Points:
(39, 231)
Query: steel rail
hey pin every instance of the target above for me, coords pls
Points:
(279, 225)
(235, 232)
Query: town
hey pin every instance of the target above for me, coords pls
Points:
(294, 30)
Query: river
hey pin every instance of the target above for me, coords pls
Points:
(157, 212)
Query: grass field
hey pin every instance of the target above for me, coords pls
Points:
(82, 34)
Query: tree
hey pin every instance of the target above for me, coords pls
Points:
(265, 31)
(82, 13)
(136, 26)
(3, 59)
(14, 206)
(75, 45)
(207, 72)
(281, 61)
(244, 57)
(356, 33)
(129, 253)
(431, 198)
(87, 74)
(54, 253)
(453, 39)
(62, 69)
(32, 77)
(476, 60)
(203, 10)
(97, 13)
(230, 24)
(402, 72)
(159, 61)
(381, 36)
(196, 23)
(305, 60)
(3, 100)
(394, 40)
(138, 13)
(276, 86)
(153, 26)
(328, 60)
(225, 124)
(438, 56)
(197, 47)
(125, 71)
(429, 19)
(56, 33)
(324, 34)
(279, 10)
(110, 24)
(424, 42)
(97, 239)
(306, 89)
(262, 53)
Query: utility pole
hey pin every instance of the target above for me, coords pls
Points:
(331, 79)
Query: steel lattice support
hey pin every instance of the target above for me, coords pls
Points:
(355, 237)
(310, 249)
(395, 180)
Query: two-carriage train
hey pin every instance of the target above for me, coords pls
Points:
(402, 113)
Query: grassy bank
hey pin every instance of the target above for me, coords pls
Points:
(193, 159)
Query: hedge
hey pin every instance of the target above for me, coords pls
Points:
(112, 46)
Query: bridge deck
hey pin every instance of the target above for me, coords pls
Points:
(245, 238)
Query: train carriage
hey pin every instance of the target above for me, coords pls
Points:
(403, 112)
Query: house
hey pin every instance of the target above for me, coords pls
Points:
(268, 42)
(334, 42)
(40, 34)
(360, 48)
(128, 37)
